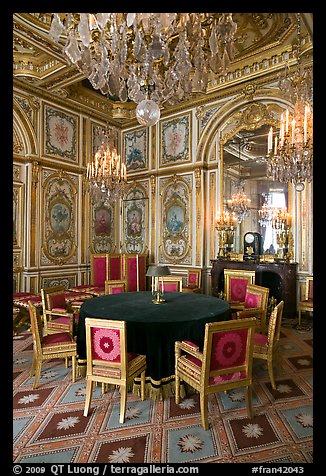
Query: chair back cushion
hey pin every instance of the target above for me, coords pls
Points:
(115, 270)
(56, 300)
(229, 349)
(169, 287)
(99, 266)
(238, 288)
(131, 272)
(253, 299)
(193, 278)
(105, 344)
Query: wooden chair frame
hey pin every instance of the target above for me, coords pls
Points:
(306, 305)
(41, 351)
(270, 351)
(123, 372)
(114, 283)
(50, 315)
(199, 376)
(240, 274)
(259, 312)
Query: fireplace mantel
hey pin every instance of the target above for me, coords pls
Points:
(280, 278)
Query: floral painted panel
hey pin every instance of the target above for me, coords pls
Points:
(59, 232)
(135, 149)
(102, 228)
(61, 132)
(206, 117)
(135, 212)
(176, 222)
(175, 147)
(98, 133)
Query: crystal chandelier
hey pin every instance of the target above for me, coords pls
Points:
(106, 173)
(290, 155)
(266, 212)
(239, 204)
(148, 58)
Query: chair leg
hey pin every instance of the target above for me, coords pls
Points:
(33, 366)
(66, 362)
(123, 402)
(299, 316)
(177, 389)
(89, 390)
(204, 410)
(249, 400)
(73, 364)
(271, 373)
(37, 374)
(142, 385)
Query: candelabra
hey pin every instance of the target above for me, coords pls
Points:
(225, 226)
(281, 222)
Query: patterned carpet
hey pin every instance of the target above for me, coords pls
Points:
(49, 426)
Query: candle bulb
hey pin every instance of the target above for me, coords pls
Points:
(287, 121)
(305, 124)
(270, 140)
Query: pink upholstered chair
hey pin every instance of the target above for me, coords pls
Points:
(53, 346)
(115, 266)
(235, 285)
(225, 362)
(255, 305)
(56, 315)
(108, 360)
(193, 283)
(171, 284)
(115, 286)
(99, 269)
(267, 347)
(306, 304)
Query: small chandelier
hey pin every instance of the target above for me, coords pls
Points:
(266, 212)
(290, 157)
(106, 173)
(175, 53)
(239, 204)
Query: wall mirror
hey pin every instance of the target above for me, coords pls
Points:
(245, 172)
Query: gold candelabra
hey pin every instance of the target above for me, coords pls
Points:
(225, 226)
(281, 222)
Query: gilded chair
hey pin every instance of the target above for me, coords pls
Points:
(235, 285)
(108, 360)
(51, 346)
(255, 305)
(193, 281)
(306, 304)
(225, 362)
(170, 283)
(57, 315)
(115, 286)
(266, 347)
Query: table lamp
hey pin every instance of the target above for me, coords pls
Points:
(157, 272)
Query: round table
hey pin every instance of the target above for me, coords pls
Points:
(152, 329)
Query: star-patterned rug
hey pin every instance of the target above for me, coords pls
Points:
(49, 426)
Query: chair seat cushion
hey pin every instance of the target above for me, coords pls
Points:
(135, 363)
(260, 339)
(60, 310)
(58, 338)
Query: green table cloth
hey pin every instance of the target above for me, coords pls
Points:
(152, 329)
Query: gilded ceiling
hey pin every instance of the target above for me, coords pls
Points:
(263, 40)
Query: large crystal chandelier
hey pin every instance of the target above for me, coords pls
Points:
(290, 155)
(239, 203)
(266, 212)
(148, 58)
(106, 173)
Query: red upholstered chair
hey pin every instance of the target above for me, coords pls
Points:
(235, 285)
(255, 305)
(53, 346)
(225, 362)
(267, 347)
(115, 286)
(108, 360)
(193, 282)
(306, 304)
(56, 315)
(135, 271)
(99, 269)
(171, 284)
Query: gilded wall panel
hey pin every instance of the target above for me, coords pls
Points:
(68, 281)
(102, 228)
(59, 219)
(61, 134)
(175, 143)
(176, 220)
(18, 215)
(135, 149)
(98, 132)
(135, 219)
